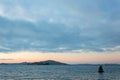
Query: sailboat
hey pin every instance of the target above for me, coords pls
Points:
(100, 69)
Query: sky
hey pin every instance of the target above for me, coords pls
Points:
(72, 31)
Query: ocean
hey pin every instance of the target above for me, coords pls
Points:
(58, 72)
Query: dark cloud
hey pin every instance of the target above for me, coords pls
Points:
(55, 37)
(58, 26)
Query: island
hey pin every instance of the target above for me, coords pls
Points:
(47, 62)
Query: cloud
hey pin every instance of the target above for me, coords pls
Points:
(6, 59)
(59, 26)
(69, 13)
(116, 48)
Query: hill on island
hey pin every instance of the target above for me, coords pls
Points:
(47, 62)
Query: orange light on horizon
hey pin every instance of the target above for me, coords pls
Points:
(89, 57)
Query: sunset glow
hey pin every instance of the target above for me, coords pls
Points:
(17, 57)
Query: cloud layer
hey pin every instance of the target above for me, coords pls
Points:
(59, 26)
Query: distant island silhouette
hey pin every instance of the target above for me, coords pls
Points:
(47, 62)
(51, 62)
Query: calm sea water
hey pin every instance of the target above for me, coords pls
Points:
(35, 72)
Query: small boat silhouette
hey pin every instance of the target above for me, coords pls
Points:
(100, 69)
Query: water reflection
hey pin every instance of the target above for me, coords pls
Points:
(101, 76)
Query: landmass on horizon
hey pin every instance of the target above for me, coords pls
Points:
(46, 62)
(52, 62)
